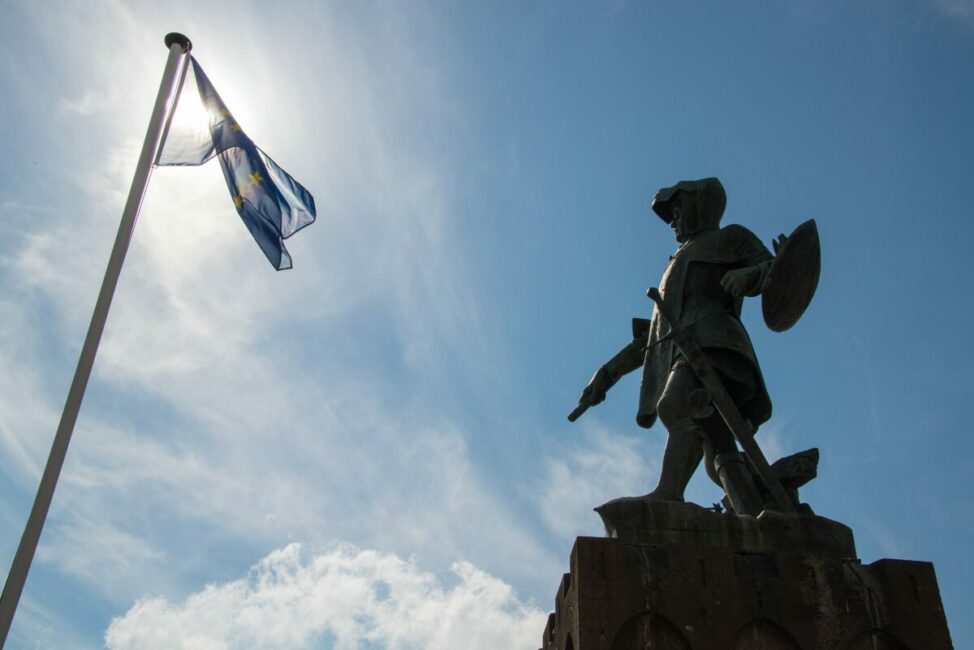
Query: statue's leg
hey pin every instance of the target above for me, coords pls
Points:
(738, 482)
(708, 462)
(684, 441)
(729, 467)
(684, 449)
(695, 428)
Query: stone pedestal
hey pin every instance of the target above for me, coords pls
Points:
(677, 576)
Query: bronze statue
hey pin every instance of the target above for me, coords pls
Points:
(701, 377)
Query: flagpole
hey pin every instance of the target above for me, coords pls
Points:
(178, 46)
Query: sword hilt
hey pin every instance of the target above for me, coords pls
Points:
(577, 413)
(663, 309)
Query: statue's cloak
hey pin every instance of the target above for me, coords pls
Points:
(691, 287)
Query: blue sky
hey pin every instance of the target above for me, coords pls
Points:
(370, 450)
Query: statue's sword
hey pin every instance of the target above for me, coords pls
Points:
(738, 424)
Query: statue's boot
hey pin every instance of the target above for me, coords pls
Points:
(738, 483)
(684, 449)
(709, 454)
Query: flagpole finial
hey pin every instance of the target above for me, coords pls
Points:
(173, 38)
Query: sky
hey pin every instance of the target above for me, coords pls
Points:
(370, 450)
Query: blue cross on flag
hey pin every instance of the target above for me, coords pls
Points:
(273, 205)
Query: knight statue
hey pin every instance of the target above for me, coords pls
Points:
(700, 375)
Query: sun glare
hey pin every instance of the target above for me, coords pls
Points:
(240, 93)
(190, 115)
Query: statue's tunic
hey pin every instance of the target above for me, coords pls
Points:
(691, 286)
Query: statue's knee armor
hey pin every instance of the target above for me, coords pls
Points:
(671, 409)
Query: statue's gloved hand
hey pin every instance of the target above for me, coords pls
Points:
(740, 282)
(597, 387)
(778, 242)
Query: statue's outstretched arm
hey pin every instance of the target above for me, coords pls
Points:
(625, 361)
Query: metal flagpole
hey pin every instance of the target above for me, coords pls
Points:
(178, 46)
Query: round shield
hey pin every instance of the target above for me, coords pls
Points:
(793, 278)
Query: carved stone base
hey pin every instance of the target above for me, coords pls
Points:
(638, 519)
(723, 582)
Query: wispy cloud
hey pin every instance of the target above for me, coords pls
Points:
(87, 104)
(352, 597)
(603, 466)
(47, 628)
(963, 9)
(235, 408)
(772, 441)
(890, 543)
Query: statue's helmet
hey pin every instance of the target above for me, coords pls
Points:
(711, 201)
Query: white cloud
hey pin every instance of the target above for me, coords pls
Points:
(346, 598)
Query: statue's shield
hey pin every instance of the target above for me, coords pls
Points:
(793, 278)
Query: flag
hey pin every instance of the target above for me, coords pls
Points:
(272, 205)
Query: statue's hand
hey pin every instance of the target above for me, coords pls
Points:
(597, 387)
(779, 242)
(740, 282)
